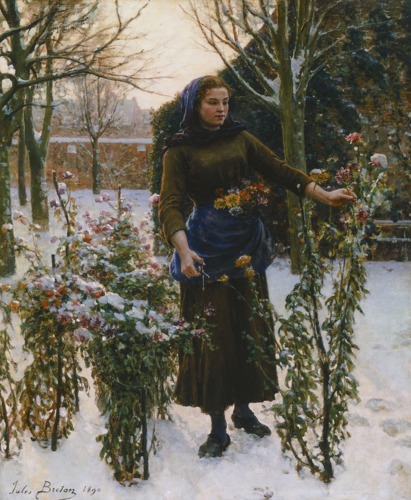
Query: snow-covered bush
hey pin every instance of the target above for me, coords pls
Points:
(105, 297)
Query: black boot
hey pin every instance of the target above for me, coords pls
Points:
(214, 447)
(244, 418)
(218, 440)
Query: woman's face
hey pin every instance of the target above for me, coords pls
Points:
(213, 108)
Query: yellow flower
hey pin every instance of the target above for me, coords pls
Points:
(232, 200)
(319, 176)
(243, 261)
(219, 203)
(223, 278)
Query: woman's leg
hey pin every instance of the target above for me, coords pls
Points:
(244, 418)
(218, 440)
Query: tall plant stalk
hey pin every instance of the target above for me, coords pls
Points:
(316, 340)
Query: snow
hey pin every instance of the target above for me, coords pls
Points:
(377, 456)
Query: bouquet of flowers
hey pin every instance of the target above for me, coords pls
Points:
(245, 198)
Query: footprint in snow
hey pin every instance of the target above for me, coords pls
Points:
(377, 404)
(395, 427)
(406, 441)
(357, 420)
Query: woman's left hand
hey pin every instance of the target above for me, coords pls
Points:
(340, 197)
(336, 198)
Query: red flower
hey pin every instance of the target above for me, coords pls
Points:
(354, 137)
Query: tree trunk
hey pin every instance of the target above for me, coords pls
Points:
(96, 167)
(37, 150)
(21, 162)
(38, 188)
(292, 120)
(7, 258)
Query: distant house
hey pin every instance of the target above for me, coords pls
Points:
(124, 160)
(124, 149)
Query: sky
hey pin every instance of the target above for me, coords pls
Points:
(175, 44)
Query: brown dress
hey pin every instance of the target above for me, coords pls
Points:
(240, 367)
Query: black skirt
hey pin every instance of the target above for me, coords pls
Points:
(240, 366)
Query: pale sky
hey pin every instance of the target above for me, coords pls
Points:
(175, 44)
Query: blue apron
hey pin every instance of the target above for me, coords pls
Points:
(220, 238)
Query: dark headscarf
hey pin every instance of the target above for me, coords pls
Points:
(191, 131)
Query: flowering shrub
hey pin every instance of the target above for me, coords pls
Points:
(133, 353)
(135, 332)
(54, 310)
(315, 345)
(316, 341)
(251, 194)
(9, 431)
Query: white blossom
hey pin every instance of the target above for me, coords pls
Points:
(379, 160)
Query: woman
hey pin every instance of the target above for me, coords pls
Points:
(211, 154)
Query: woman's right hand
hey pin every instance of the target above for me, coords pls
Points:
(188, 257)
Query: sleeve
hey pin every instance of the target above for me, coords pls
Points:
(270, 166)
(173, 193)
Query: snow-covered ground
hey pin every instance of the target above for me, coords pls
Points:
(377, 455)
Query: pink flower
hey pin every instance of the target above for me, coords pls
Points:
(343, 176)
(354, 137)
(81, 334)
(199, 332)
(379, 160)
(64, 317)
(154, 198)
(181, 324)
(209, 310)
(158, 337)
(68, 175)
(362, 216)
(5, 228)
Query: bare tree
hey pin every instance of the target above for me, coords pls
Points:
(97, 108)
(278, 43)
(45, 41)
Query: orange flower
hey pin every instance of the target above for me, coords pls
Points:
(5, 287)
(249, 273)
(49, 293)
(87, 238)
(14, 306)
(243, 261)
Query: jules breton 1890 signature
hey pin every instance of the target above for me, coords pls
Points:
(59, 492)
